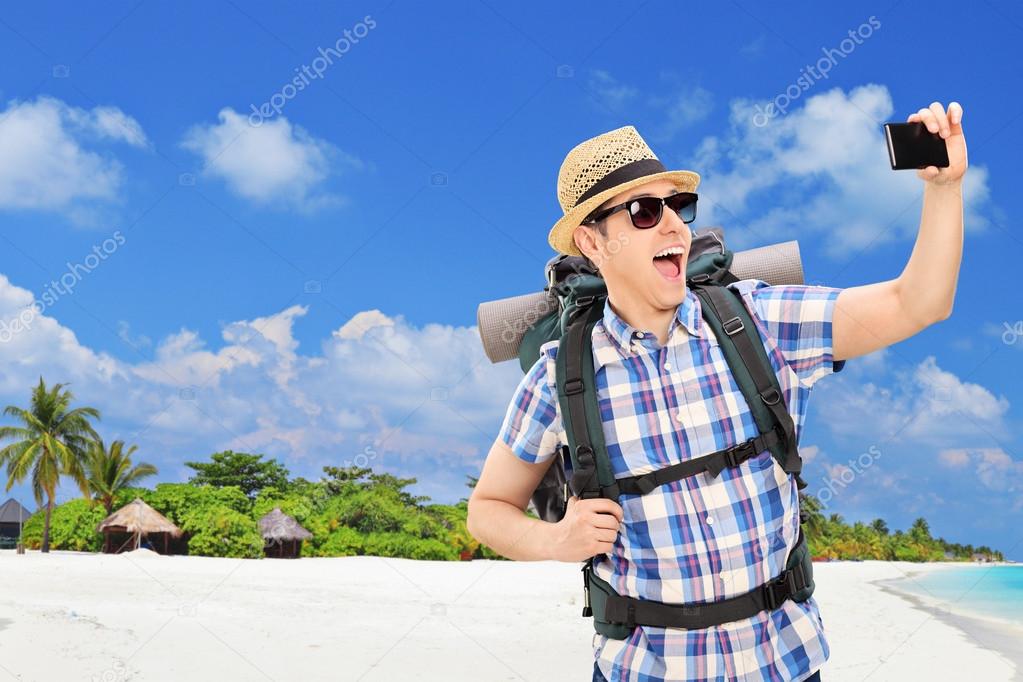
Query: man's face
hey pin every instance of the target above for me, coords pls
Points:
(625, 256)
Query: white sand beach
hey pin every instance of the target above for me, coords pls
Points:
(140, 616)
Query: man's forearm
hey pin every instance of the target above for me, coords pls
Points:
(508, 531)
(927, 284)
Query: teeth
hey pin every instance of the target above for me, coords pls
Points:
(670, 250)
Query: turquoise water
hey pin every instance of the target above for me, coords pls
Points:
(987, 590)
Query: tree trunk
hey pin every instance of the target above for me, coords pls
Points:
(46, 525)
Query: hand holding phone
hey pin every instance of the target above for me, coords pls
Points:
(912, 146)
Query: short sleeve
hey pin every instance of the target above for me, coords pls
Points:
(531, 424)
(799, 317)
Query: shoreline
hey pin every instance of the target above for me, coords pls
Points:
(991, 632)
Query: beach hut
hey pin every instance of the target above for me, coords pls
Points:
(136, 520)
(12, 516)
(282, 534)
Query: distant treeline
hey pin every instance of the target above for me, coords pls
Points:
(350, 511)
(354, 511)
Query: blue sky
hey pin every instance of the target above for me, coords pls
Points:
(303, 282)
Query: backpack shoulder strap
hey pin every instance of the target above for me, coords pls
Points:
(744, 351)
(592, 475)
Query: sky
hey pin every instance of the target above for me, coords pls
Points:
(267, 228)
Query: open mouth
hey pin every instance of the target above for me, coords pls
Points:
(669, 262)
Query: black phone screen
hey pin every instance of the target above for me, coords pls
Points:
(911, 145)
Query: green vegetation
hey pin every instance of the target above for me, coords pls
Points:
(350, 511)
(51, 441)
(833, 538)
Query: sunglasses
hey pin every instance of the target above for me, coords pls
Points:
(646, 212)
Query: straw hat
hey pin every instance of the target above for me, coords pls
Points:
(598, 169)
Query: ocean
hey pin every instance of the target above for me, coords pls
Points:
(995, 591)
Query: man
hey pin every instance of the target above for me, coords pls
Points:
(666, 395)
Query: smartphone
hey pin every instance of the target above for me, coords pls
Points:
(911, 145)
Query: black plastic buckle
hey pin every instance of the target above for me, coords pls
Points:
(773, 599)
(574, 386)
(583, 454)
(734, 330)
(771, 396)
(737, 454)
(587, 609)
(700, 278)
(584, 301)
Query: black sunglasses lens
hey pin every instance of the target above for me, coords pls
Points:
(684, 204)
(645, 212)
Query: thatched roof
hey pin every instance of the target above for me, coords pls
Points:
(12, 511)
(279, 527)
(138, 516)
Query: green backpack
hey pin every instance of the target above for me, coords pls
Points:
(581, 294)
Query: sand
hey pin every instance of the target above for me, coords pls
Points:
(140, 616)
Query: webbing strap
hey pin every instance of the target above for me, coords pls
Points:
(722, 303)
(769, 596)
(713, 463)
(592, 475)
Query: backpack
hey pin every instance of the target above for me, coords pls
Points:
(581, 294)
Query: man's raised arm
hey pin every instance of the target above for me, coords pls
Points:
(875, 316)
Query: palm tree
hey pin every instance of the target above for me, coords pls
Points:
(110, 471)
(52, 442)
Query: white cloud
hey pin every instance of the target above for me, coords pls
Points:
(993, 467)
(819, 168)
(273, 162)
(808, 453)
(674, 106)
(684, 107)
(361, 323)
(48, 156)
(956, 459)
(424, 398)
(919, 404)
(611, 92)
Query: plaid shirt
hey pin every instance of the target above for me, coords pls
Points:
(699, 539)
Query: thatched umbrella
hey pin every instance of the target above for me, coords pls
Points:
(138, 519)
(281, 531)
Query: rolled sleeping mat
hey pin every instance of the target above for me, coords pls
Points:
(502, 323)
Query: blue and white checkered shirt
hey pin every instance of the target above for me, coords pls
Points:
(699, 539)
